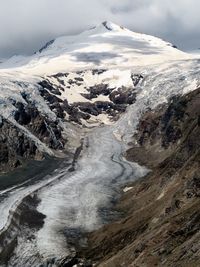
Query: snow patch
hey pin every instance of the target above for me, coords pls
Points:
(126, 189)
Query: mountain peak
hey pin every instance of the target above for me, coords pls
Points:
(110, 26)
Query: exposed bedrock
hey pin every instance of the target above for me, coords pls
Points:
(170, 127)
(49, 132)
(24, 219)
(118, 98)
(15, 147)
(16, 144)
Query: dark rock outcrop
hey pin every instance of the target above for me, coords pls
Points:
(15, 147)
(21, 218)
(118, 98)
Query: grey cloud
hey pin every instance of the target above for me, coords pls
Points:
(25, 25)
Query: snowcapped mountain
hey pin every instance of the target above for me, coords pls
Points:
(85, 95)
(106, 44)
(89, 79)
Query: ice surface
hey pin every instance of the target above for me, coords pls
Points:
(76, 201)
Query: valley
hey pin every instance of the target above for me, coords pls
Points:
(90, 117)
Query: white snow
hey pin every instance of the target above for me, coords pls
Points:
(97, 47)
(126, 189)
(107, 46)
(74, 93)
(161, 82)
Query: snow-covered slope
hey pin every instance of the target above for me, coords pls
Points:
(106, 44)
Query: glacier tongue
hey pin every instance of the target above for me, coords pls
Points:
(79, 201)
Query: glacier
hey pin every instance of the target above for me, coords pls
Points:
(80, 201)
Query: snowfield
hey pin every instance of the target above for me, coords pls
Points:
(78, 201)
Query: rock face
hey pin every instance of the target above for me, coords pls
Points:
(22, 217)
(96, 96)
(162, 225)
(16, 146)
(47, 131)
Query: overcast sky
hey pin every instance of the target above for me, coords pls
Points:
(26, 25)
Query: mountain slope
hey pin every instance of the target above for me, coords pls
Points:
(161, 226)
